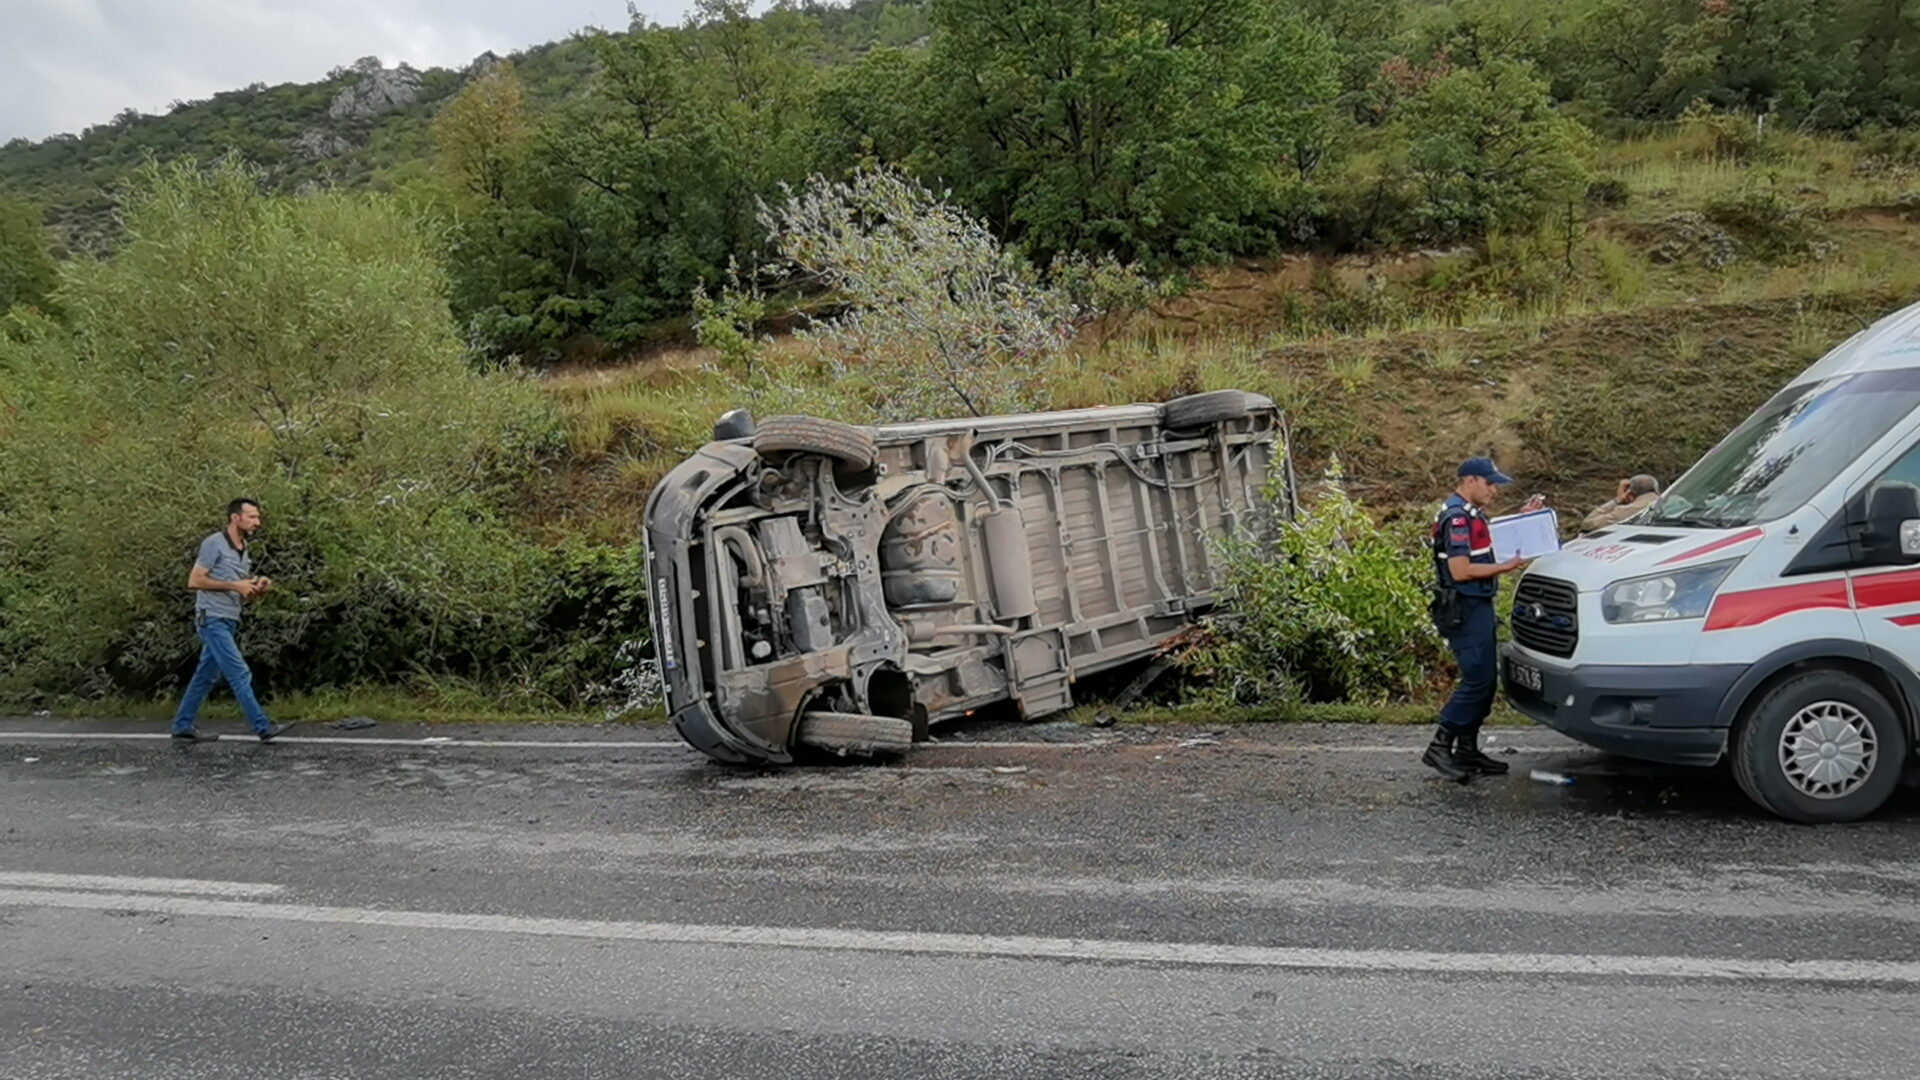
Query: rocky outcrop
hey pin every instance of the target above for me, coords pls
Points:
(483, 63)
(1689, 236)
(316, 144)
(376, 93)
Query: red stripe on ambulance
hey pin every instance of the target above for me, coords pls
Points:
(1886, 590)
(1731, 611)
(1707, 549)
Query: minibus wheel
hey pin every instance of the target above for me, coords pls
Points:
(844, 443)
(1199, 410)
(855, 733)
(1820, 747)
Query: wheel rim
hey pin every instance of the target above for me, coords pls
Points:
(1828, 750)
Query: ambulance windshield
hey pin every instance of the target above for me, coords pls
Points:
(1789, 450)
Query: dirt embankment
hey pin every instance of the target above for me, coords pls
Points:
(1567, 407)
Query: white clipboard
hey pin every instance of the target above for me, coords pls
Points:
(1530, 535)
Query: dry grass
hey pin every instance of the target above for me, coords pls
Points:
(1680, 170)
(1621, 270)
(1809, 339)
(1353, 371)
(1446, 357)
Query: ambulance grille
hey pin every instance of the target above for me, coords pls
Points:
(1545, 615)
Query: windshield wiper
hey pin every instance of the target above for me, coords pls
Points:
(1699, 515)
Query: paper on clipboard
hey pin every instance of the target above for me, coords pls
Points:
(1530, 535)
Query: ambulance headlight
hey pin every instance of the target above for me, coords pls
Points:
(1682, 594)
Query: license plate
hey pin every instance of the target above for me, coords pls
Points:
(1524, 675)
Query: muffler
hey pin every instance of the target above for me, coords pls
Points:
(1009, 562)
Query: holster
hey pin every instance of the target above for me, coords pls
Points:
(1445, 609)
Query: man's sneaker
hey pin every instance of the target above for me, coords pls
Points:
(274, 731)
(1439, 757)
(196, 735)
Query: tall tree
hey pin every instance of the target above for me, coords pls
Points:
(646, 187)
(1139, 127)
(1487, 151)
(482, 133)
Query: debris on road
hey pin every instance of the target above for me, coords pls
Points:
(1545, 777)
(354, 723)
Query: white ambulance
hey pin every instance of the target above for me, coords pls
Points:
(1766, 609)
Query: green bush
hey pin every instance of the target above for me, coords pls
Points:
(595, 623)
(294, 350)
(27, 269)
(1770, 227)
(1330, 610)
(1609, 193)
(1488, 152)
(938, 314)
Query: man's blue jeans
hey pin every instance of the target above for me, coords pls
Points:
(1476, 647)
(220, 657)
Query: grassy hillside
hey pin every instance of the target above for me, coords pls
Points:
(1631, 343)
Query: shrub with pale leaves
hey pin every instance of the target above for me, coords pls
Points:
(939, 316)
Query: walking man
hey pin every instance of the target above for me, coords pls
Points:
(222, 580)
(1466, 580)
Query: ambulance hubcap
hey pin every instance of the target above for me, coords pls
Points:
(1828, 749)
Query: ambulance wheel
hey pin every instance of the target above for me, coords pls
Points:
(1820, 747)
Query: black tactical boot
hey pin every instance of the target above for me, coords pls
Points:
(1440, 758)
(1467, 754)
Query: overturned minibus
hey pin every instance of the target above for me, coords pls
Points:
(817, 584)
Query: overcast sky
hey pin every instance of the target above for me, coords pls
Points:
(66, 64)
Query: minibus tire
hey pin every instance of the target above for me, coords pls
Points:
(855, 733)
(1823, 696)
(844, 443)
(1199, 410)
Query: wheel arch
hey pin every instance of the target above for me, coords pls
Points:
(1875, 666)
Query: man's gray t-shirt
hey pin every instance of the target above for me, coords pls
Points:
(223, 562)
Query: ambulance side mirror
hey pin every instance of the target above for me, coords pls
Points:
(1893, 524)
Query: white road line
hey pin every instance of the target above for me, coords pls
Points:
(353, 740)
(138, 884)
(674, 744)
(1019, 948)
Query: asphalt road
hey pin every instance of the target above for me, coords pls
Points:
(1024, 902)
